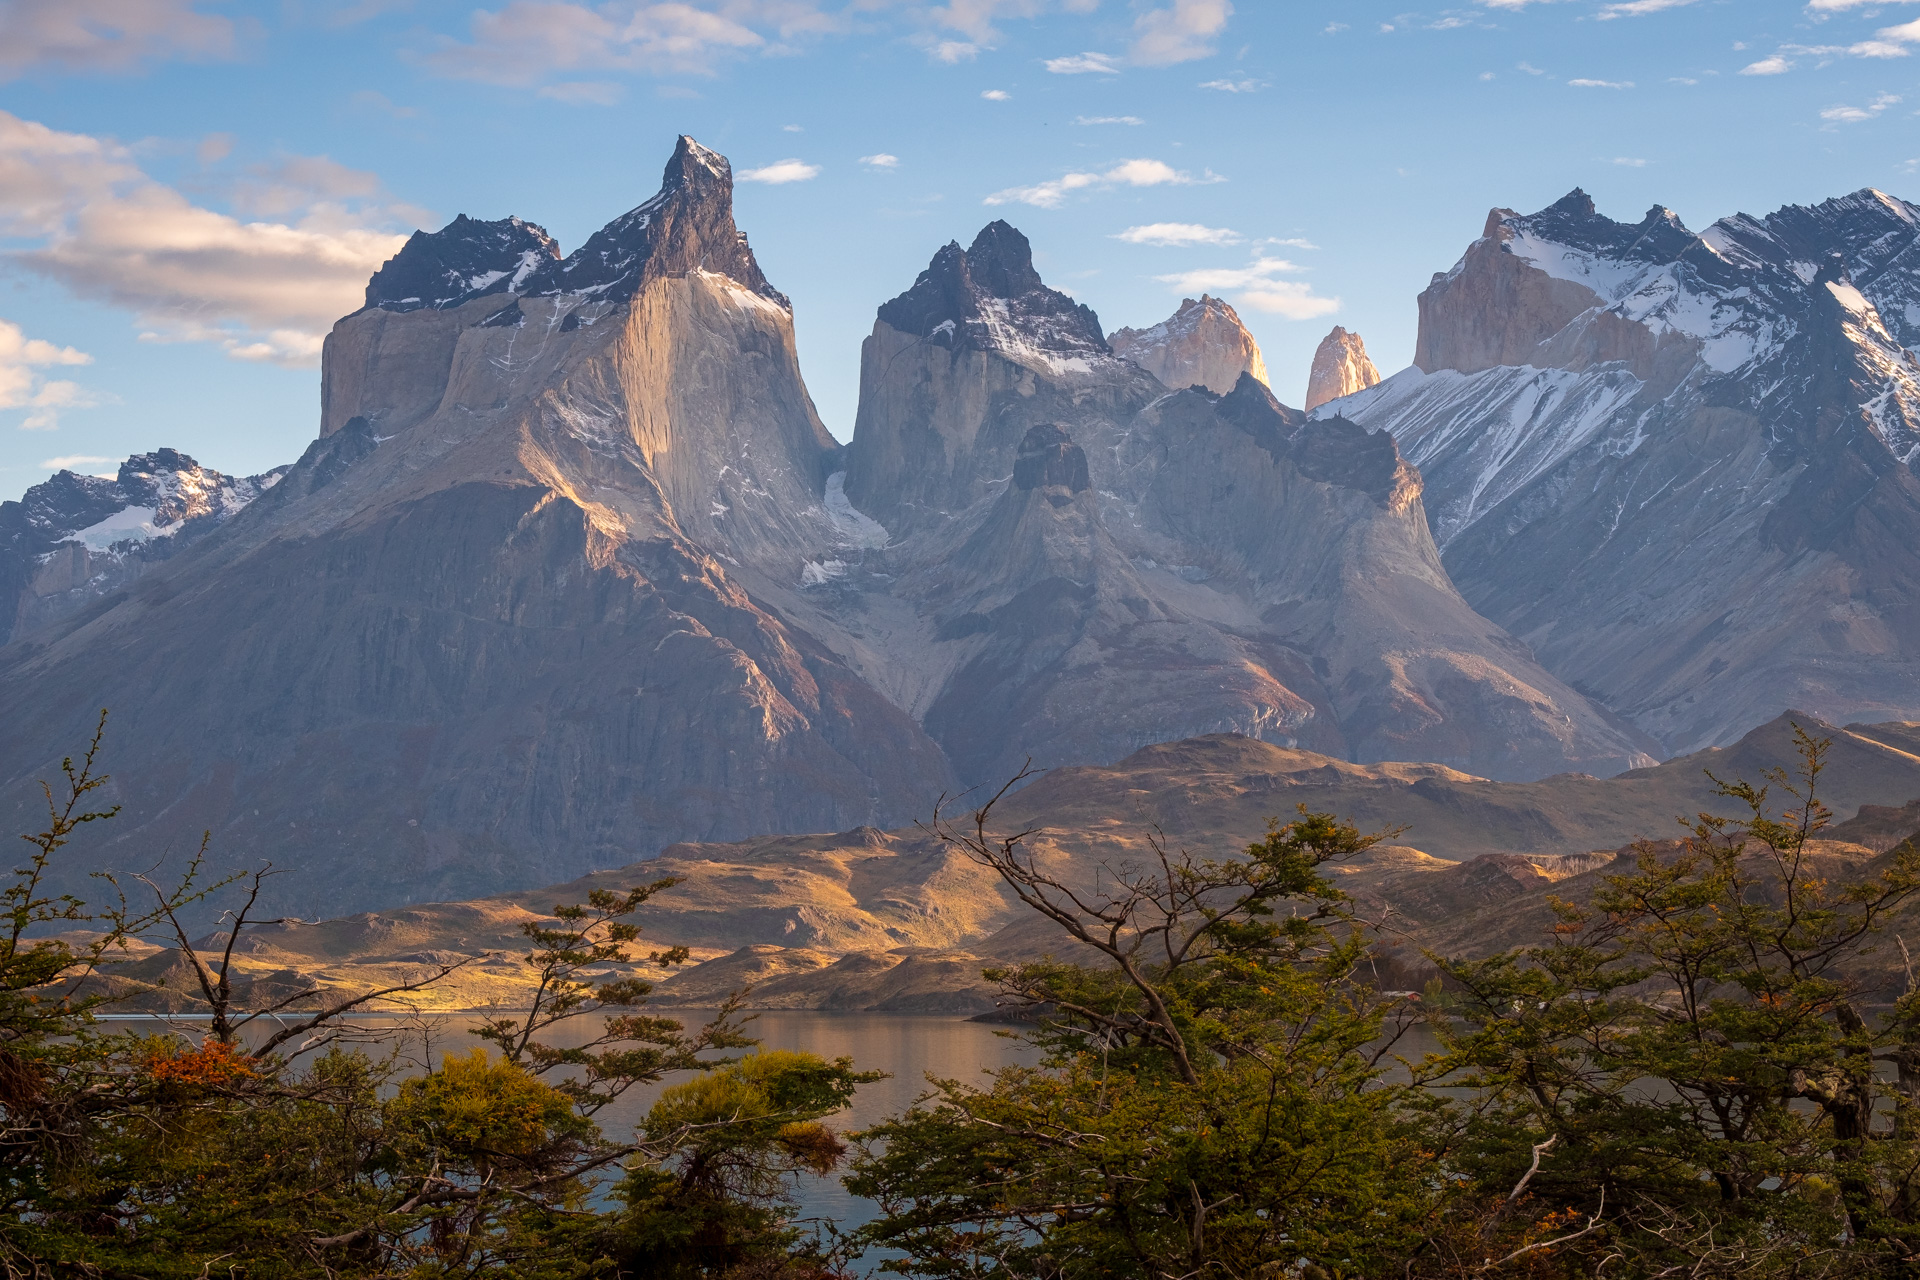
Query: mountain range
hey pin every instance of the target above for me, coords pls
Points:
(1680, 467)
(573, 571)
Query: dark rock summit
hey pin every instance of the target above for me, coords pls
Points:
(989, 296)
(687, 227)
(463, 260)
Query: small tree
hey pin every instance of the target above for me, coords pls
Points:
(1208, 1100)
(630, 1048)
(1690, 1066)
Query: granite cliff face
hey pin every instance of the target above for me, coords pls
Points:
(1202, 344)
(1679, 466)
(498, 621)
(1340, 368)
(1092, 561)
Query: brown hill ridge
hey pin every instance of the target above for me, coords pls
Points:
(867, 919)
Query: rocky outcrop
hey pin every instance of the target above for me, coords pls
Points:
(501, 619)
(1224, 565)
(1681, 467)
(1201, 344)
(72, 539)
(1340, 368)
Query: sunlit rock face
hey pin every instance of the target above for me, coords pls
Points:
(1201, 344)
(1679, 467)
(1340, 368)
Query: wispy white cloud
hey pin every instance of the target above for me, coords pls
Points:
(1108, 120)
(1630, 162)
(260, 289)
(996, 95)
(23, 386)
(881, 161)
(527, 41)
(1128, 173)
(953, 51)
(1081, 64)
(106, 35)
(1638, 8)
(1256, 286)
(73, 461)
(1854, 115)
(1182, 32)
(1888, 42)
(1601, 84)
(781, 172)
(975, 19)
(1178, 234)
(1234, 86)
(1837, 6)
(1529, 68)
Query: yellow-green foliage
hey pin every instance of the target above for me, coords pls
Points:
(478, 1106)
(740, 1091)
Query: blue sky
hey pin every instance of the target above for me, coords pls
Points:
(191, 190)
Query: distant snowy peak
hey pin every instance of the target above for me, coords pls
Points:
(988, 297)
(154, 495)
(465, 259)
(1203, 343)
(73, 538)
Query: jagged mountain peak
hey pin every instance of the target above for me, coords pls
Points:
(465, 259)
(1576, 203)
(1575, 221)
(989, 297)
(1203, 343)
(1001, 261)
(686, 226)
